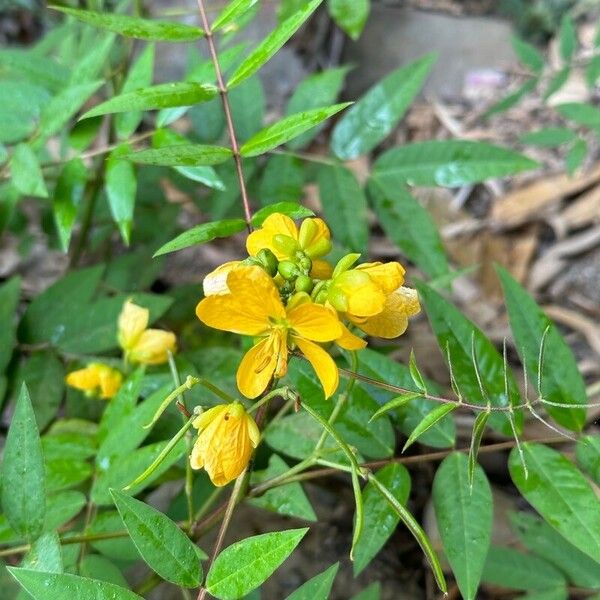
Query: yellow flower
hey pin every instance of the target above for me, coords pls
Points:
(96, 380)
(254, 308)
(280, 235)
(226, 436)
(140, 344)
(215, 283)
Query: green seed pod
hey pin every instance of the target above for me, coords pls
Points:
(288, 270)
(268, 261)
(304, 284)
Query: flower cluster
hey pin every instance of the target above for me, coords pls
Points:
(139, 344)
(288, 297)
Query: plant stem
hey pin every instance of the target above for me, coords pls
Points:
(227, 110)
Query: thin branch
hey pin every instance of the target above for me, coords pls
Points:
(227, 109)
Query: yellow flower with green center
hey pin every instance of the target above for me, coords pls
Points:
(280, 234)
(97, 380)
(140, 344)
(227, 434)
(254, 307)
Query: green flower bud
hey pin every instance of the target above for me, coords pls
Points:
(288, 270)
(285, 244)
(304, 284)
(337, 299)
(308, 230)
(344, 264)
(321, 248)
(305, 264)
(268, 261)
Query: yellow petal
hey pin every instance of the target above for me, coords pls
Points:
(208, 416)
(215, 283)
(263, 238)
(314, 237)
(314, 322)
(152, 347)
(253, 431)
(364, 297)
(322, 363)
(254, 298)
(257, 369)
(86, 380)
(132, 322)
(393, 320)
(321, 269)
(349, 341)
(388, 276)
(110, 382)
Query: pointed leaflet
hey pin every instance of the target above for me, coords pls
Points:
(588, 456)
(529, 56)
(410, 226)
(142, 29)
(202, 234)
(567, 38)
(548, 137)
(245, 565)
(350, 15)
(139, 76)
(449, 163)
(560, 379)
(9, 299)
(581, 113)
(234, 10)
(26, 173)
(465, 345)
(476, 436)
(561, 494)
(429, 420)
(288, 128)
(576, 155)
(23, 491)
(272, 43)
(98, 567)
(378, 112)
(43, 586)
(181, 155)
(121, 188)
(511, 99)
(165, 95)
(164, 547)
(464, 518)
(67, 197)
(45, 554)
(317, 588)
(344, 206)
(380, 518)
(291, 209)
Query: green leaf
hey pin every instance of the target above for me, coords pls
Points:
(62, 473)
(282, 178)
(592, 71)
(67, 197)
(511, 99)
(567, 37)
(206, 175)
(371, 592)
(464, 518)
(557, 82)
(288, 128)
(233, 11)
(288, 499)
(134, 27)
(378, 112)
(165, 95)
(91, 63)
(576, 155)
(478, 430)
(396, 403)
(70, 444)
(121, 187)
(409, 226)
(126, 468)
(9, 300)
(245, 565)
(320, 89)
(95, 566)
(560, 379)
(45, 554)
(580, 112)
(511, 569)
(380, 518)
(350, 15)
(272, 43)
(588, 456)
(120, 548)
(317, 588)
(23, 491)
(449, 163)
(541, 539)
(291, 209)
(529, 56)
(26, 172)
(344, 206)
(561, 494)
(248, 106)
(549, 137)
(181, 155)
(164, 547)
(464, 345)
(35, 68)
(429, 421)
(43, 586)
(21, 104)
(138, 77)
(62, 507)
(44, 375)
(202, 234)
(58, 112)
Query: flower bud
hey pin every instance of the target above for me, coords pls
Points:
(285, 244)
(305, 264)
(344, 264)
(308, 231)
(337, 299)
(320, 248)
(304, 284)
(288, 270)
(268, 261)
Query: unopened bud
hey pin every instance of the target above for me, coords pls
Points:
(308, 230)
(344, 264)
(320, 248)
(288, 270)
(268, 261)
(305, 264)
(304, 284)
(285, 244)
(337, 299)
